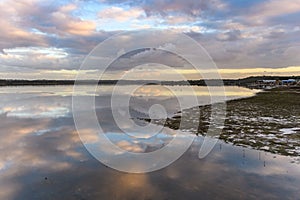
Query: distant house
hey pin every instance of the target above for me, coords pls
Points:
(270, 82)
(289, 82)
(265, 83)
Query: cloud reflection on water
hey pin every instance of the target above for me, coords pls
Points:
(54, 164)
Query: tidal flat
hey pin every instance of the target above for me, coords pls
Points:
(269, 121)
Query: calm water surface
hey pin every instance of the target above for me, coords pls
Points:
(42, 157)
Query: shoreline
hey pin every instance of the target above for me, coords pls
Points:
(268, 121)
(246, 82)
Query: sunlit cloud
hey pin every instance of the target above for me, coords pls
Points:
(120, 14)
(31, 51)
(244, 72)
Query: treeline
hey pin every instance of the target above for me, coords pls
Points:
(5, 82)
(35, 82)
(113, 82)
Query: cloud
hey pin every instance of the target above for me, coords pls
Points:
(31, 23)
(230, 35)
(172, 12)
(171, 19)
(120, 14)
(65, 23)
(12, 31)
(39, 58)
(274, 8)
(164, 7)
(58, 35)
(41, 35)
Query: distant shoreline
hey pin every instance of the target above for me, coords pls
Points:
(210, 82)
(114, 82)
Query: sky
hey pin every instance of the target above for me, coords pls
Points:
(44, 39)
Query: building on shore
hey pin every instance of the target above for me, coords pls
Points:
(289, 82)
(268, 84)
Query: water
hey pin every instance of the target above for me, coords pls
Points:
(42, 157)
